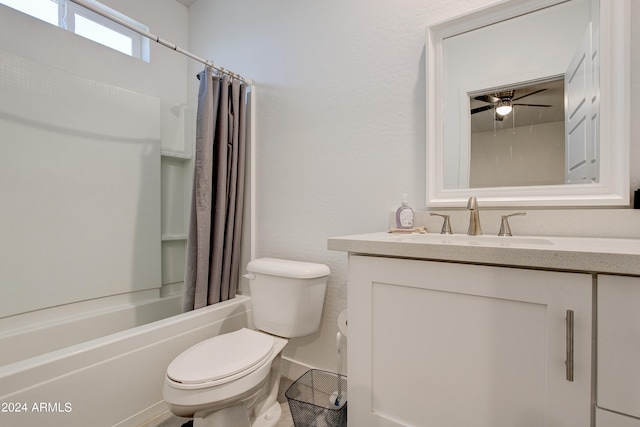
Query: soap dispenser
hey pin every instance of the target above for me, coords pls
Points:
(404, 215)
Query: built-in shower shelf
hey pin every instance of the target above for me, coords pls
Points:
(170, 237)
(176, 155)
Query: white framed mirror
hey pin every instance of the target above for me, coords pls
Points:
(562, 68)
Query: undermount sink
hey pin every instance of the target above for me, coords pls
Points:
(463, 239)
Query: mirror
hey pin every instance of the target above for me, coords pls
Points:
(567, 142)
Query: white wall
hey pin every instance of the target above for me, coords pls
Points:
(341, 120)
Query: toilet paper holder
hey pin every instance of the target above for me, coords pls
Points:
(342, 323)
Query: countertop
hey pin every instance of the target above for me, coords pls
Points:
(582, 254)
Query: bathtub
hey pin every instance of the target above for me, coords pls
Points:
(115, 380)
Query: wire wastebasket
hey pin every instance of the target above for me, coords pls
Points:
(318, 399)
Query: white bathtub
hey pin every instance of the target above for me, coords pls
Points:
(34, 333)
(109, 381)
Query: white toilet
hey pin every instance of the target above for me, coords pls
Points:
(233, 379)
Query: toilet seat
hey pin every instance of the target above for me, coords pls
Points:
(221, 359)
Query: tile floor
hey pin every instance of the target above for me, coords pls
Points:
(167, 419)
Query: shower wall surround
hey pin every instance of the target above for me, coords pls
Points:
(73, 220)
(342, 83)
(83, 127)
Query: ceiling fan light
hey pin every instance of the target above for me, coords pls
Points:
(503, 108)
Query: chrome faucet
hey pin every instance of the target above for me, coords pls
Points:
(474, 219)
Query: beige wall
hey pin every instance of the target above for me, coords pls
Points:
(529, 155)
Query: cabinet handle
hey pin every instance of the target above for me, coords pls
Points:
(569, 361)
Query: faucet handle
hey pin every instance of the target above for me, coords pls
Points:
(472, 203)
(505, 230)
(446, 225)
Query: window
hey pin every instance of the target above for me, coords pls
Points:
(88, 24)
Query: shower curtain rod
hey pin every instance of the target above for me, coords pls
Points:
(163, 42)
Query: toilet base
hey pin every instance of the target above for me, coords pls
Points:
(235, 416)
(270, 418)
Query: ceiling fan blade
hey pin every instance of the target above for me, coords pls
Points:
(481, 109)
(487, 98)
(534, 105)
(529, 94)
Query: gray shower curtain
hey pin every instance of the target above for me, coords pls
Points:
(213, 247)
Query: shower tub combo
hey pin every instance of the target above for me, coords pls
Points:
(115, 380)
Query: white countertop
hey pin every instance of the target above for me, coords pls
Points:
(592, 255)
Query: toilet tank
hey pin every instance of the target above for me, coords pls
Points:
(287, 296)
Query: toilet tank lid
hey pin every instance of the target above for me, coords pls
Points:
(288, 268)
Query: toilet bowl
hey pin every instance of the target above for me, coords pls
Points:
(224, 371)
(233, 379)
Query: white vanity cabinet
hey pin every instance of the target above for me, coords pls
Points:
(618, 389)
(606, 418)
(449, 344)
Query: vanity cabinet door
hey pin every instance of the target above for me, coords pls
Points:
(612, 419)
(449, 345)
(619, 344)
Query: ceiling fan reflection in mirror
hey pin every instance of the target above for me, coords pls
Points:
(525, 104)
(504, 102)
